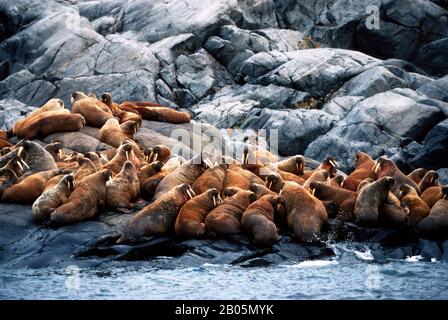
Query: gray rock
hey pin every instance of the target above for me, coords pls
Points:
(437, 89)
(12, 110)
(433, 58)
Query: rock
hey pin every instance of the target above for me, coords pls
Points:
(434, 148)
(432, 57)
(443, 176)
(428, 249)
(12, 110)
(317, 71)
(200, 74)
(374, 125)
(340, 106)
(436, 89)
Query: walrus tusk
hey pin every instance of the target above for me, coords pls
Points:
(270, 185)
(72, 100)
(332, 163)
(312, 190)
(19, 151)
(150, 156)
(102, 156)
(156, 155)
(24, 163)
(127, 155)
(444, 196)
(189, 194)
(20, 165)
(376, 166)
(219, 198)
(214, 201)
(192, 192)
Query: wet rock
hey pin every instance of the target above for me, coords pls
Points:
(428, 249)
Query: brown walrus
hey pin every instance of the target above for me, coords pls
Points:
(50, 105)
(431, 195)
(225, 219)
(50, 122)
(164, 114)
(86, 168)
(386, 167)
(88, 108)
(274, 182)
(417, 175)
(235, 179)
(370, 199)
(106, 98)
(124, 152)
(430, 179)
(85, 202)
(124, 188)
(317, 175)
(190, 220)
(305, 214)
(31, 187)
(410, 201)
(364, 170)
(52, 198)
(95, 158)
(260, 190)
(295, 165)
(112, 133)
(436, 223)
(343, 199)
(258, 221)
(391, 212)
(211, 178)
(159, 217)
(329, 164)
(186, 173)
(149, 170)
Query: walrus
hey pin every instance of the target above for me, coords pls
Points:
(337, 180)
(190, 220)
(252, 177)
(258, 221)
(106, 98)
(124, 152)
(305, 214)
(149, 185)
(159, 217)
(50, 105)
(430, 179)
(210, 178)
(88, 108)
(318, 175)
(260, 190)
(50, 122)
(56, 150)
(343, 199)
(31, 187)
(164, 114)
(329, 164)
(391, 213)
(95, 158)
(157, 153)
(37, 158)
(364, 183)
(410, 201)
(417, 175)
(53, 181)
(363, 170)
(274, 182)
(52, 198)
(385, 167)
(149, 170)
(124, 188)
(288, 176)
(436, 223)
(16, 165)
(85, 202)
(431, 195)
(86, 168)
(114, 134)
(186, 173)
(235, 179)
(225, 219)
(8, 178)
(370, 199)
(295, 165)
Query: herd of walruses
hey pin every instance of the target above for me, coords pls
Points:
(258, 196)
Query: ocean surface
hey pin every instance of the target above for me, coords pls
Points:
(350, 275)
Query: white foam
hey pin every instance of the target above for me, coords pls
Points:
(413, 258)
(366, 256)
(312, 263)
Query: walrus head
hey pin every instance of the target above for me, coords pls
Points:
(213, 195)
(158, 152)
(78, 95)
(420, 173)
(331, 165)
(431, 178)
(361, 157)
(388, 182)
(106, 98)
(69, 180)
(272, 179)
(259, 190)
(405, 189)
(128, 166)
(129, 127)
(106, 174)
(338, 179)
(17, 165)
(384, 166)
(56, 150)
(185, 188)
(126, 150)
